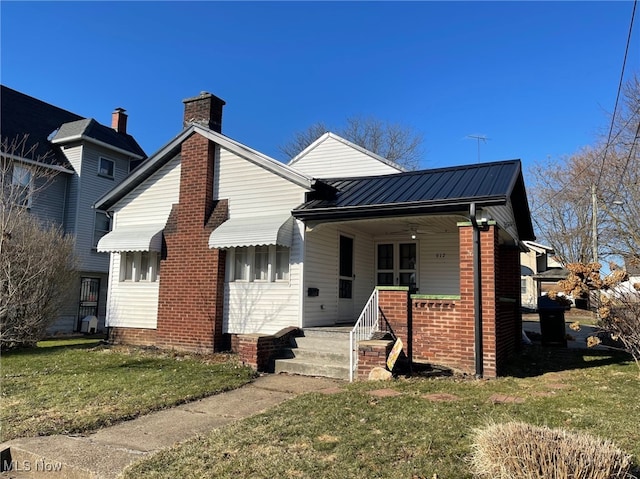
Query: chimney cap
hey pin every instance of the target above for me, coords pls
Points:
(202, 95)
(119, 110)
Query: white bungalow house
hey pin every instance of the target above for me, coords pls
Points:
(216, 246)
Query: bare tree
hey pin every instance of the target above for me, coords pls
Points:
(604, 180)
(394, 142)
(36, 260)
(561, 204)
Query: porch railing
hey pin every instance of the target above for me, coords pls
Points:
(364, 328)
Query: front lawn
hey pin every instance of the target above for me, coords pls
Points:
(424, 429)
(79, 385)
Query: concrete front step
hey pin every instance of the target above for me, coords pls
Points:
(311, 368)
(320, 352)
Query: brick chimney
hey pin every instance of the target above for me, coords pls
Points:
(205, 109)
(191, 296)
(119, 120)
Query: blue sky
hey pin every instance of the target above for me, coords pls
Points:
(537, 78)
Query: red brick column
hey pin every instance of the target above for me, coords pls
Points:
(256, 350)
(394, 304)
(488, 253)
(191, 296)
(372, 354)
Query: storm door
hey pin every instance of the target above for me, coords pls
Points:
(345, 280)
(89, 294)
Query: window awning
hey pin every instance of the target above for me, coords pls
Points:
(253, 231)
(133, 238)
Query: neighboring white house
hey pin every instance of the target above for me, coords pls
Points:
(540, 270)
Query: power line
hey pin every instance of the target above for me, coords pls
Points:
(615, 108)
(609, 139)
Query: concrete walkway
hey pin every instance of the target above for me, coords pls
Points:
(107, 452)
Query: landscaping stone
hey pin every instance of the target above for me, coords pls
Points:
(379, 374)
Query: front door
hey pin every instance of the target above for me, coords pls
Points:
(89, 294)
(345, 280)
(397, 265)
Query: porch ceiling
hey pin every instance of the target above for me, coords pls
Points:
(404, 225)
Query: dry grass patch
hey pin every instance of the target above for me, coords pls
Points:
(516, 450)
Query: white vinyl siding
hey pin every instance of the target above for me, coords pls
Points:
(131, 304)
(332, 158)
(260, 306)
(439, 264)
(252, 190)
(321, 271)
(265, 307)
(151, 202)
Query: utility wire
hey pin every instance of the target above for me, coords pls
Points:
(609, 139)
(615, 108)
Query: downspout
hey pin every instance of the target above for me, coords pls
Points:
(477, 292)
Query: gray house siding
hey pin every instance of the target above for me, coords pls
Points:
(91, 186)
(49, 201)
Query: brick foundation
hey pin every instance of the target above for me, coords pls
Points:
(132, 336)
(259, 350)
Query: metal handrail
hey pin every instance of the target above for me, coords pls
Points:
(364, 328)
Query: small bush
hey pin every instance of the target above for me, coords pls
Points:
(516, 450)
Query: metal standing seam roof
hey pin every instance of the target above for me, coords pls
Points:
(425, 191)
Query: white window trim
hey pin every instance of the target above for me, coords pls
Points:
(250, 269)
(153, 271)
(106, 175)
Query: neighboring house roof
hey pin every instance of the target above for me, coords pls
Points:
(328, 135)
(171, 149)
(538, 248)
(427, 191)
(90, 130)
(22, 114)
(552, 274)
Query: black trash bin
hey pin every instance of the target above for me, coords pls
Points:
(552, 327)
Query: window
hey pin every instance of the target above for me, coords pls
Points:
(21, 180)
(140, 266)
(101, 227)
(106, 168)
(282, 263)
(241, 264)
(259, 263)
(523, 286)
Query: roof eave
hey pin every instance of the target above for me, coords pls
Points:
(61, 141)
(144, 171)
(394, 209)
